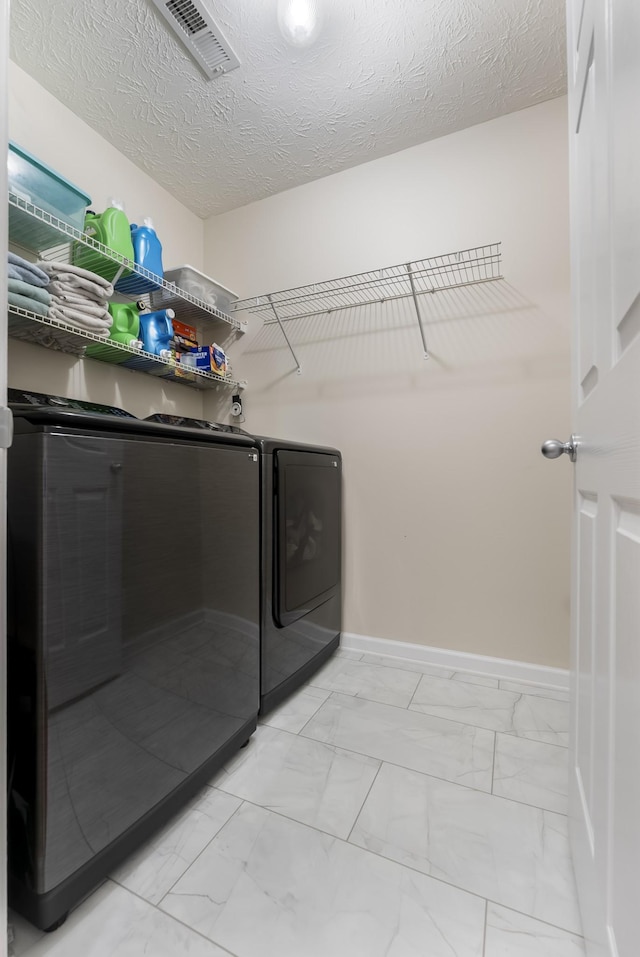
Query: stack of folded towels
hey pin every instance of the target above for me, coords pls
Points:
(79, 297)
(26, 286)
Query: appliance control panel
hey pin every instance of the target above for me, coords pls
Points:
(167, 419)
(24, 397)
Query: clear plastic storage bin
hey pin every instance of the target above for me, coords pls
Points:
(202, 287)
(34, 181)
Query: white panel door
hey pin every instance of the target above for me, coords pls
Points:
(604, 98)
(4, 64)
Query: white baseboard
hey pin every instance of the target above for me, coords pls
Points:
(507, 668)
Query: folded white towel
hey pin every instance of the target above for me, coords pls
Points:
(79, 319)
(82, 316)
(61, 289)
(87, 306)
(77, 280)
(66, 269)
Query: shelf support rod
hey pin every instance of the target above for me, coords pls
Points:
(415, 302)
(117, 275)
(295, 358)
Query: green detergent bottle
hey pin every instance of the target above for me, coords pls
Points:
(111, 228)
(126, 323)
(125, 328)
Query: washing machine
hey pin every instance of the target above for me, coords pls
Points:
(133, 635)
(301, 557)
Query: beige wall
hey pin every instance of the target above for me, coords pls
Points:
(457, 531)
(42, 125)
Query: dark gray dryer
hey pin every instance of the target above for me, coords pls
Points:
(301, 565)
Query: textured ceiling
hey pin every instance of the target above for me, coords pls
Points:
(384, 75)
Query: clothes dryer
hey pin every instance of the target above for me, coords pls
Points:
(301, 563)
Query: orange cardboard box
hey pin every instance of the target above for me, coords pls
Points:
(182, 329)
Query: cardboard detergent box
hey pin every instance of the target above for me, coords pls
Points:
(185, 345)
(209, 359)
(183, 331)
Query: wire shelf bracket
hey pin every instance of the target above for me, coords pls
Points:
(414, 296)
(287, 340)
(466, 267)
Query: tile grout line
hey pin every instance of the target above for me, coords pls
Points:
(548, 744)
(540, 920)
(484, 935)
(176, 919)
(404, 767)
(355, 820)
(321, 705)
(230, 818)
(265, 723)
(415, 691)
(493, 763)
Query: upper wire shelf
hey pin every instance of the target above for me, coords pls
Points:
(479, 264)
(412, 279)
(39, 232)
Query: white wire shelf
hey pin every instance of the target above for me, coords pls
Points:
(37, 231)
(53, 334)
(465, 267)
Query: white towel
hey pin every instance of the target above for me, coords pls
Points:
(53, 268)
(78, 280)
(61, 289)
(81, 320)
(58, 269)
(79, 303)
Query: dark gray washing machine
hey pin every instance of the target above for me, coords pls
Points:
(133, 639)
(301, 565)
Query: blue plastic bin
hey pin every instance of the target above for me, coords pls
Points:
(34, 181)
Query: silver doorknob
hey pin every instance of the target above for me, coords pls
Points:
(553, 449)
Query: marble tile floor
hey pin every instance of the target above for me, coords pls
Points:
(387, 809)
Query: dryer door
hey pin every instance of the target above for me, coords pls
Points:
(307, 539)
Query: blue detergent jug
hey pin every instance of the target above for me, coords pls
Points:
(147, 252)
(156, 332)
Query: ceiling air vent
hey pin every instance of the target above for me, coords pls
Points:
(196, 29)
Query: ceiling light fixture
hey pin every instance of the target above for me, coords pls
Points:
(299, 21)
